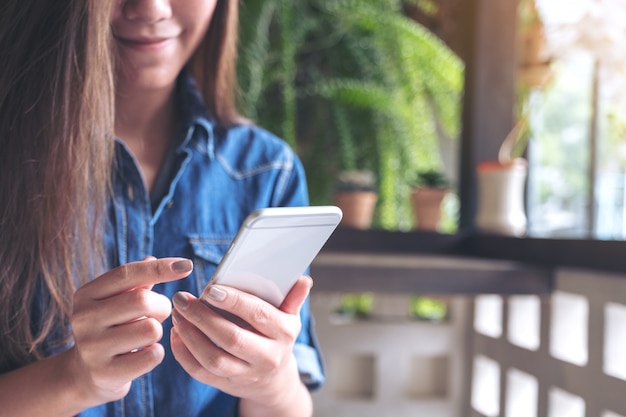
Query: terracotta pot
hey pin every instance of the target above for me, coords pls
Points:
(358, 208)
(427, 207)
(501, 197)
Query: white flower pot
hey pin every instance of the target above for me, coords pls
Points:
(501, 197)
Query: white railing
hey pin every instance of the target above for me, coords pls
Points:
(553, 355)
(562, 355)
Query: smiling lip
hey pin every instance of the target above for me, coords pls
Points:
(145, 44)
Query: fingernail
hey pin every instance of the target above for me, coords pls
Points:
(181, 300)
(216, 294)
(310, 281)
(182, 266)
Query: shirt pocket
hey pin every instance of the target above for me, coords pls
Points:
(208, 251)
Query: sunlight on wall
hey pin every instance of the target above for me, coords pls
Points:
(524, 321)
(486, 386)
(522, 391)
(562, 403)
(615, 340)
(568, 335)
(488, 315)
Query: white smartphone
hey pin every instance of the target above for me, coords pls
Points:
(273, 248)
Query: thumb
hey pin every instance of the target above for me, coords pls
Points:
(297, 295)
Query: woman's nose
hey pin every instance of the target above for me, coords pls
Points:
(147, 11)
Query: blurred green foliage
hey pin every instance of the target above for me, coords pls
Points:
(359, 305)
(431, 178)
(428, 308)
(350, 84)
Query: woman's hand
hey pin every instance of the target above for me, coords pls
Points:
(117, 324)
(243, 345)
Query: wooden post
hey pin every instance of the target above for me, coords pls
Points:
(490, 28)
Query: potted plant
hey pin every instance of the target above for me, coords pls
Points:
(427, 308)
(501, 186)
(356, 306)
(355, 194)
(428, 191)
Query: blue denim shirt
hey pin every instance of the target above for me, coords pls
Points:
(218, 177)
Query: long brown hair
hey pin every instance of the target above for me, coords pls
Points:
(214, 63)
(56, 124)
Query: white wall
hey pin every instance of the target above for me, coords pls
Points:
(388, 365)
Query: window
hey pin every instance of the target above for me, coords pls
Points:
(577, 120)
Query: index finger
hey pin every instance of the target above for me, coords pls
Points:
(137, 274)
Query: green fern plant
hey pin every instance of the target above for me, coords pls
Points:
(350, 84)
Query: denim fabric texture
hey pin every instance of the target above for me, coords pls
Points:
(218, 176)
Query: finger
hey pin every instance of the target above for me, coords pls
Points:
(228, 332)
(132, 336)
(148, 258)
(137, 274)
(194, 368)
(190, 364)
(184, 356)
(205, 352)
(297, 295)
(262, 316)
(133, 364)
(227, 298)
(123, 308)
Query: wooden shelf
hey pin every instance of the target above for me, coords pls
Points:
(425, 274)
(433, 263)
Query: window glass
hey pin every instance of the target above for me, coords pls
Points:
(577, 119)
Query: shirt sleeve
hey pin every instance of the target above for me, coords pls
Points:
(307, 352)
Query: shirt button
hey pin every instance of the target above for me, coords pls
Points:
(131, 192)
(169, 204)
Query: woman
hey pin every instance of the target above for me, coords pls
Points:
(113, 166)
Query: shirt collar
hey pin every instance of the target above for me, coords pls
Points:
(194, 115)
